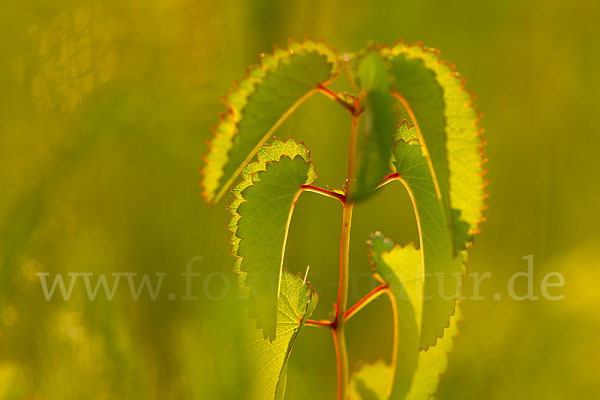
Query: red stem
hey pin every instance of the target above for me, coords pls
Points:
(324, 323)
(324, 192)
(337, 324)
(364, 301)
(330, 93)
(388, 179)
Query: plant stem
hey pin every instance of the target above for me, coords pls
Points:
(338, 327)
(388, 179)
(331, 94)
(318, 324)
(369, 297)
(342, 302)
(324, 192)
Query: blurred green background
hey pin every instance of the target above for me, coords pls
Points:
(105, 109)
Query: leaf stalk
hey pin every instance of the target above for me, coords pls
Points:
(342, 302)
(333, 95)
(362, 303)
(324, 192)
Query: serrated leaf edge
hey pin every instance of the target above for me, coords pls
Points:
(236, 100)
(409, 246)
(439, 373)
(313, 296)
(248, 175)
(400, 47)
(440, 331)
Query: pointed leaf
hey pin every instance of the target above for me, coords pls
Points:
(268, 360)
(262, 210)
(259, 104)
(442, 108)
(442, 271)
(376, 132)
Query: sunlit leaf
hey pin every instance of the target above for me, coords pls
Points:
(442, 271)
(268, 360)
(371, 382)
(433, 363)
(401, 269)
(435, 97)
(376, 132)
(262, 210)
(259, 104)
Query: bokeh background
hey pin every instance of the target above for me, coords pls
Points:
(105, 108)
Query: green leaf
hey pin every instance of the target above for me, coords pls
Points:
(259, 104)
(376, 132)
(262, 210)
(268, 360)
(401, 269)
(371, 382)
(442, 271)
(447, 122)
(433, 363)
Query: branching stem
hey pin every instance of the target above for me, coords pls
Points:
(342, 301)
(369, 297)
(319, 324)
(337, 325)
(324, 192)
(333, 95)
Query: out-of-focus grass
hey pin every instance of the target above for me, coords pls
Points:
(104, 111)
